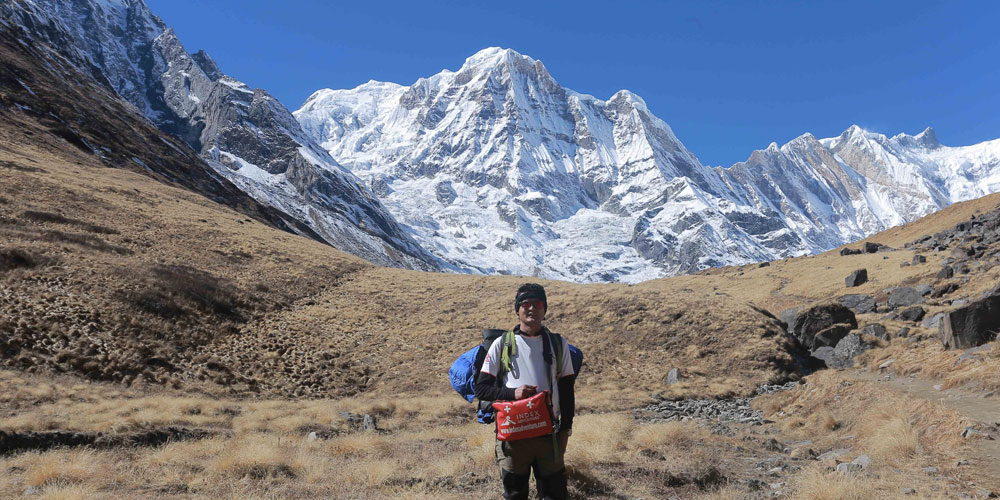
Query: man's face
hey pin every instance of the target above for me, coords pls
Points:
(531, 313)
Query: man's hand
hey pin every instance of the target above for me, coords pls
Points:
(525, 391)
(563, 440)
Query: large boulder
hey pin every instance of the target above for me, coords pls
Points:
(904, 296)
(829, 337)
(972, 325)
(857, 278)
(843, 355)
(914, 313)
(809, 322)
(859, 303)
(849, 347)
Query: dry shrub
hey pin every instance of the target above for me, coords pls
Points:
(889, 435)
(816, 484)
(599, 438)
(256, 456)
(672, 435)
(65, 468)
(68, 492)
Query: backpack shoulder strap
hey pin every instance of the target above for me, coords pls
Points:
(508, 349)
(557, 342)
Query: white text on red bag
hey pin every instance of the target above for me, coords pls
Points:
(524, 418)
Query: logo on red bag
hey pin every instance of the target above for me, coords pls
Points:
(522, 419)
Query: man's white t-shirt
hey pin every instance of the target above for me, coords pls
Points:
(528, 366)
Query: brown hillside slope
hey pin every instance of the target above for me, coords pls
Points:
(116, 274)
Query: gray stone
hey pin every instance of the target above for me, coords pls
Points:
(844, 468)
(788, 317)
(810, 322)
(862, 462)
(673, 376)
(931, 470)
(903, 332)
(887, 363)
(849, 251)
(849, 347)
(876, 330)
(970, 433)
(972, 325)
(312, 436)
(856, 278)
(833, 454)
(982, 493)
(872, 247)
(832, 335)
(919, 259)
(915, 313)
(908, 491)
(859, 303)
(932, 321)
(924, 289)
(904, 296)
(946, 272)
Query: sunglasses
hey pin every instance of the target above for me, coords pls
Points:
(528, 304)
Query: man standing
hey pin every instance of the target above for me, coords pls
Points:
(532, 369)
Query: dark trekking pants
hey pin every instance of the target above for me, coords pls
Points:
(518, 458)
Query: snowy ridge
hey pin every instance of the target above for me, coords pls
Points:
(246, 135)
(497, 168)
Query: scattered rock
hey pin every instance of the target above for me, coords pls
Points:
(872, 247)
(833, 454)
(908, 491)
(932, 321)
(876, 330)
(764, 264)
(856, 278)
(887, 363)
(970, 433)
(904, 296)
(849, 251)
(944, 290)
(809, 323)
(859, 303)
(915, 313)
(829, 337)
(849, 347)
(862, 462)
(673, 376)
(364, 422)
(931, 470)
(972, 325)
(918, 259)
(946, 272)
(924, 289)
(985, 494)
(803, 453)
(903, 332)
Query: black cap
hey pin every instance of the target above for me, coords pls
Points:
(530, 291)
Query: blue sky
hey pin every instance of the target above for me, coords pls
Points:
(729, 77)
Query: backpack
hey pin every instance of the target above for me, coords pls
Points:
(466, 368)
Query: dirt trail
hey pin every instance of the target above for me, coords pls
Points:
(969, 404)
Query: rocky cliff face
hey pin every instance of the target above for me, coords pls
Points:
(246, 135)
(532, 178)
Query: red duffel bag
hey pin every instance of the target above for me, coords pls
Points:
(524, 418)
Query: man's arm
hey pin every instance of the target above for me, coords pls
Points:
(567, 401)
(486, 389)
